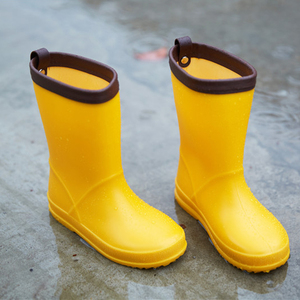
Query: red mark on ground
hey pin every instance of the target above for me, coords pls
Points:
(154, 55)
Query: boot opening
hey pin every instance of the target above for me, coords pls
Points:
(206, 69)
(77, 78)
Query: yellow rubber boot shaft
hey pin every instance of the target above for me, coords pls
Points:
(87, 190)
(210, 182)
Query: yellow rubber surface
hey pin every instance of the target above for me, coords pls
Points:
(87, 190)
(210, 182)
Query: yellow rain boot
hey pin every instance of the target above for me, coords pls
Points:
(79, 105)
(213, 93)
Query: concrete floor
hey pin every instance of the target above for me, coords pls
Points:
(37, 253)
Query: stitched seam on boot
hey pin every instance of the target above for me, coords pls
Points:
(214, 178)
(91, 189)
(187, 171)
(65, 187)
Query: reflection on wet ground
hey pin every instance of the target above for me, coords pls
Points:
(202, 272)
(43, 260)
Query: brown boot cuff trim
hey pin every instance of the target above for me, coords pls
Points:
(42, 59)
(223, 58)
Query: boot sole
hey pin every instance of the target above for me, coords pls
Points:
(108, 251)
(192, 209)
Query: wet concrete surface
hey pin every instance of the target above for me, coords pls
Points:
(41, 259)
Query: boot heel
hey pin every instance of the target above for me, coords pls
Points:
(60, 219)
(185, 203)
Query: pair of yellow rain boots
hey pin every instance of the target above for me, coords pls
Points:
(79, 105)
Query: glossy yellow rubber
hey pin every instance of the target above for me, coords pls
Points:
(210, 182)
(87, 190)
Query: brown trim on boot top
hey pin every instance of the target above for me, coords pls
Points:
(42, 59)
(244, 83)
